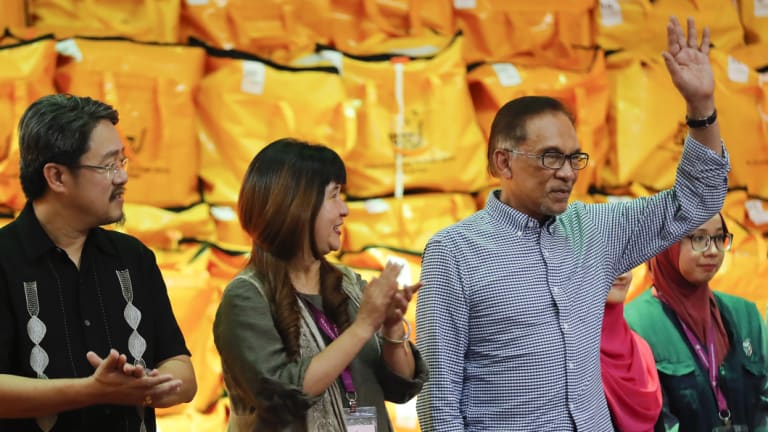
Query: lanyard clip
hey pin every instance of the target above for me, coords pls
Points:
(725, 416)
(352, 398)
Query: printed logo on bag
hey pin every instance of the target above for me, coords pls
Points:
(407, 138)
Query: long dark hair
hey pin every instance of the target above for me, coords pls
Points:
(281, 195)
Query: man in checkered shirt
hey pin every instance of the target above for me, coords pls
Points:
(509, 316)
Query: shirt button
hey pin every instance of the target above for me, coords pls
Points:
(565, 326)
(556, 290)
(570, 365)
(87, 323)
(546, 254)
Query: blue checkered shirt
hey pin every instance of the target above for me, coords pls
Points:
(510, 313)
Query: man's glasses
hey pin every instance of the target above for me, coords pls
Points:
(701, 242)
(109, 169)
(556, 160)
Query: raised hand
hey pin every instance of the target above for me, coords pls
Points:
(121, 383)
(688, 64)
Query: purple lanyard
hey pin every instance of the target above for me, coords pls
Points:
(711, 367)
(330, 330)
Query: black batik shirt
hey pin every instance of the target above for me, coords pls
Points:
(82, 310)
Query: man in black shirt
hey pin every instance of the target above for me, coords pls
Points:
(88, 339)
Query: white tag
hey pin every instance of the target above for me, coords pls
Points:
(417, 51)
(610, 13)
(223, 213)
(254, 74)
(362, 420)
(376, 206)
(761, 8)
(69, 48)
(756, 212)
(335, 57)
(737, 71)
(197, 2)
(464, 4)
(508, 74)
(618, 198)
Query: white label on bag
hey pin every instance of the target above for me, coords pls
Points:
(610, 13)
(508, 74)
(756, 212)
(618, 198)
(69, 48)
(376, 206)
(737, 71)
(223, 213)
(761, 8)
(464, 4)
(254, 74)
(197, 2)
(335, 57)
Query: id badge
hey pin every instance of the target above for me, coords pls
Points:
(731, 428)
(362, 420)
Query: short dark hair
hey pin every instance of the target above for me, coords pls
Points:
(56, 128)
(510, 123)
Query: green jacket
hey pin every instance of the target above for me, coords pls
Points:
(689, 403)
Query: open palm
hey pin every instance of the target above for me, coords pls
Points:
(688, 62)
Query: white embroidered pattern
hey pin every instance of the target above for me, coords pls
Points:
(38, 358)
(136, 343)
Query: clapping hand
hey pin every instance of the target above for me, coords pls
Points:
(122, 383)
(399, 305)
(378, 295)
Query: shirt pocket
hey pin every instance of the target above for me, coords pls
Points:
(754, 375)
(683, 387)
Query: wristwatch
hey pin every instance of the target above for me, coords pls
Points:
(701, 123)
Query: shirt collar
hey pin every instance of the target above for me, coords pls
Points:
(36, 242)
(512, 217)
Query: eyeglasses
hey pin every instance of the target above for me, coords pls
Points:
(555, 160)
(701, 242)
(109, 169)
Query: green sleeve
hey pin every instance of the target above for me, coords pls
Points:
(761, 422)
(252, 352)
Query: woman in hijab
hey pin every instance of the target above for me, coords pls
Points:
(630, 380)
(709, 346)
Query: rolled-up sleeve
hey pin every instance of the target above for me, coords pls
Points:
(641, 228)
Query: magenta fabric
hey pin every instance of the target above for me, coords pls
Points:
(630, 380)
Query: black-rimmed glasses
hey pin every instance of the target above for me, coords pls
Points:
(109, 169)
(555, 160)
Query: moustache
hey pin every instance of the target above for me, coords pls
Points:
(115, 193)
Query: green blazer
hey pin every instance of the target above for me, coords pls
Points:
(689, 403)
